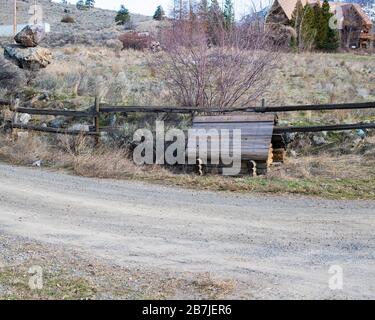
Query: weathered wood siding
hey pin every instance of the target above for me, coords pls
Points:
(256, 133)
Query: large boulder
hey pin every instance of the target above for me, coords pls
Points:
(28, 58)
(30, 36)
(11, 77)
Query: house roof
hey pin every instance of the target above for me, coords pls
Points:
(289, 5)
(346, 6)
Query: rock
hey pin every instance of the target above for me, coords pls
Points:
(25, 118)
(363, 92)
(56, 123)
(155, 46)
(30, 36)
(28, 58)
(290, 137)
(293, 153)
(11, 77)
(319, 140)
(38, 163)
(80, 127)
(360, 133)
(22, 134)
(112, 120)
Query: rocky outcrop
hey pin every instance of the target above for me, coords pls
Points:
(26, 54)
(11, 77)
(30, 36)
(28, 58)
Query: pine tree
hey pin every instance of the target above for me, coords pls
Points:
(215, 22)
(202, 15)
(203, 9)
(159, 14)
(228, 14)
(321, 25)
(308, 29)
(90, 3)
(123, 16)
(215, 14)
(296, 21)
(81, 5)
(331, 38)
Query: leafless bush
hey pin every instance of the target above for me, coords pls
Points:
(74, 145)
(234, 72)
(135, 40)
(67, 19)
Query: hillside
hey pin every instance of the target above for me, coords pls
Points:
(90, 26)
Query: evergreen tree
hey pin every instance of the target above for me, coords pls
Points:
(331, 36)
(296, 21)
(215, 22)
(159, 14)
(215, 14)
(228, 14)
(123, 16)
(90, 3)
(81, 5)
(203, 9)
(308, 29)
(202, 15)
(321, 25)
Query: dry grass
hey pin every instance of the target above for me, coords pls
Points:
(70, 275)
(344, 177)
(80, 72)
(120, 78)
(127, 78)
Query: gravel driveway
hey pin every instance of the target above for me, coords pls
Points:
(270, 246)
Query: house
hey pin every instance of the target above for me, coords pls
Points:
(354, 25)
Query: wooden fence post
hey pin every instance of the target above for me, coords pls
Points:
(15, 105)
(97, 119)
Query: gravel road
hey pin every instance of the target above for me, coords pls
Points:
(270, 246)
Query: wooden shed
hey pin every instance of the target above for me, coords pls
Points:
(256, 140)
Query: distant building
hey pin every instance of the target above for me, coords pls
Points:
(354, 25)
(7, 30)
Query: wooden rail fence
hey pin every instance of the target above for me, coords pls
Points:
(98, 109)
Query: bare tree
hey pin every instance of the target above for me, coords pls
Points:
(235, 72)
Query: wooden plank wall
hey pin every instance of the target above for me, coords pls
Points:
(256, 133)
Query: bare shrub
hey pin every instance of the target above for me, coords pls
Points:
(26, 150)
(233, 73)
(135, 40)
(105, 163)
(67, 19)
(74, 145)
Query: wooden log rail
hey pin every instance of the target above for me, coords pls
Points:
(105, 108)
(5, 102)
(338, 127)
(101, 108)
(50, 130)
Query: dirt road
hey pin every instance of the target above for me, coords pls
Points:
(270, 246)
